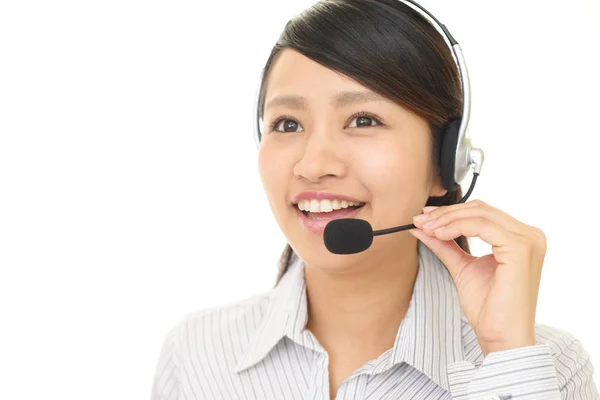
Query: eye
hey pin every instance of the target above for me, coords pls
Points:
(288, 124)
(364, 119)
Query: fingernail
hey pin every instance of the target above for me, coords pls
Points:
(428, 209)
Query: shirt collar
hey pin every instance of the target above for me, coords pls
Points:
(286, 314)
(429, 337)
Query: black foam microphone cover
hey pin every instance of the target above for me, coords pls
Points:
(348, 235)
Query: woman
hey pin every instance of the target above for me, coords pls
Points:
(354, 97)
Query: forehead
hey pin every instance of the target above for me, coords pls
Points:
(294, 72)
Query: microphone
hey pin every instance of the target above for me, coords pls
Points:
(354, 235)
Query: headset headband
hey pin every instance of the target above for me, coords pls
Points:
(464, 155)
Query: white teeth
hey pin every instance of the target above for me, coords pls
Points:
(314, 205)
(325, 205)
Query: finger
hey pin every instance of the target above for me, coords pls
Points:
(481, 227)
(494, 215)
(429, 209)
(449, 252)
(476, 208)
(434, 211)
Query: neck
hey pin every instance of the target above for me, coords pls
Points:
(363, 304)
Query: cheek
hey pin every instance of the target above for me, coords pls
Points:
(274, 179)
(263, 159)
(392, 166)
(266, 158)
(395, 174)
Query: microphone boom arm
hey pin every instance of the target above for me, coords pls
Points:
(412, 226)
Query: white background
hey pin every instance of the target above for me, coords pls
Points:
(129, 188)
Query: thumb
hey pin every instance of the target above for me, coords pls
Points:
(448, 251)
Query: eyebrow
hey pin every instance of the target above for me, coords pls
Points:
(339, 100)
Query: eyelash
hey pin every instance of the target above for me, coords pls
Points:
(355, 115)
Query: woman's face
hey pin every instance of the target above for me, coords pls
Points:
(380, 158)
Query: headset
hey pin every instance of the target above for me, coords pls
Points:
(457, 153)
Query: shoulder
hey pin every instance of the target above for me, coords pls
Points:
(563, 345)
(225, 318)
(205, 339)
(227, 326)
(567, 351)
(216, 320)
(557, 339)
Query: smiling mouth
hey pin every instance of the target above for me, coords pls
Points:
(331, 214)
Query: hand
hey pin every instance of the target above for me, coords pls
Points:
(497, 292)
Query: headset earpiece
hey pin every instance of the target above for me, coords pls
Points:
(448, 155)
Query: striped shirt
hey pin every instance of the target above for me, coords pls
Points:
(259, 349)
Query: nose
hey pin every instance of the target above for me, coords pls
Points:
(321, 156)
